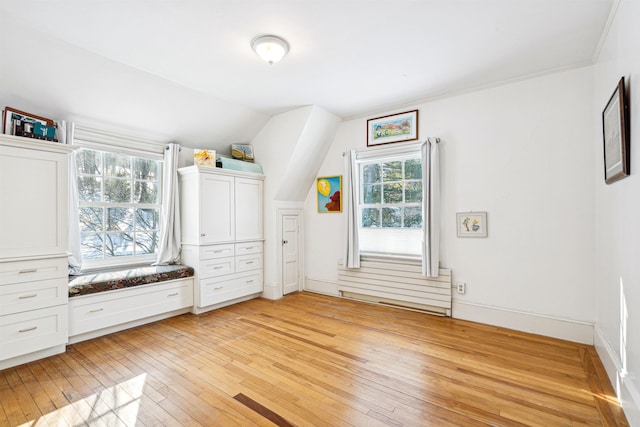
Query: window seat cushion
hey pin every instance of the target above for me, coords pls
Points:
(112, 280)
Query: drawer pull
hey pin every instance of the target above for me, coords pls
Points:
(30, 270)
(202, 234)
(27, 296)
(173, 295)
(218, 288)
(97, 310)
(248, 248)
(249, 262)
(249, 281)
(221, 251)
(220, 267)
(33, 328)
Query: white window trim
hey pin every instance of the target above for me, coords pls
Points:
(387, 153)
(110, 142)
(117, 143)
(391, 258)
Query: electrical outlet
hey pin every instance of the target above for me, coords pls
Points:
(462, 287)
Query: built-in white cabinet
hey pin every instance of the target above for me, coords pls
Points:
(221, 215)
(249, 206)
(217, 205)
(33, 249)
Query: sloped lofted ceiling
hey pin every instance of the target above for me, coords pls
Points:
(351, 57)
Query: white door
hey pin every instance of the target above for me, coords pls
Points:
(248, 209)
(217, 219)
(290, 253)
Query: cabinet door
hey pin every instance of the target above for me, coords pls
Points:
(217, 222)
(33, 202)
(248, 209)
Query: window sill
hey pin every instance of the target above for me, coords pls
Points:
(391, 258)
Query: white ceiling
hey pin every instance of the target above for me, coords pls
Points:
(352, 57)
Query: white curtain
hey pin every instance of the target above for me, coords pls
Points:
(65, 136)
(169, 246)
(351, 181)
(430, 208)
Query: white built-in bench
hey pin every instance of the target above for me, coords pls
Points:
(108, 302)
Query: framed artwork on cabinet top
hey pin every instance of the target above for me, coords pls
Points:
(19, 123)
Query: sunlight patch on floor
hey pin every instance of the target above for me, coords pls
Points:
(116, 405)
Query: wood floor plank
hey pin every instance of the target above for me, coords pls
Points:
(213, 407)
(310, 359)
(55, 384)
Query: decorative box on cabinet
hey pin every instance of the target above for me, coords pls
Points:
(222, 234)
(33, 249)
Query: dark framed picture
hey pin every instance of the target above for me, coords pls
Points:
(615, 133)
(19, 123)
(399, 127)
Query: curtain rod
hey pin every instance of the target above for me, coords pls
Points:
(344, 153)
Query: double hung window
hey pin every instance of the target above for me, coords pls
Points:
(390, 205)
(119, 200)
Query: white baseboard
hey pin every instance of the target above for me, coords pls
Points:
(26, 358)
(571, 330)
(321, 286)
(628, 394)
(272, 291)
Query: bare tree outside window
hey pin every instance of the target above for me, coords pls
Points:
(119, 204)
(392, 194)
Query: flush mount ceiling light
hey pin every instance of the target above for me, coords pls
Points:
(270, 48)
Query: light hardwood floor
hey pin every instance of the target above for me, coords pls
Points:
(313, 360)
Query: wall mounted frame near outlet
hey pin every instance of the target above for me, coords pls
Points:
(471, 224)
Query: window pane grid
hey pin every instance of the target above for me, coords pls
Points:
(391, 195)
(119, 205)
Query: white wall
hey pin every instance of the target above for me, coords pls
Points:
(290, 147)
(617, 226)
(51, 78)
(521, 152)
(273, 147)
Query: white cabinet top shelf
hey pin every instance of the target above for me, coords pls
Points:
(220, 171)
(35, 144)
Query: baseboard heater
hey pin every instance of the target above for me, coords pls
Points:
(397, 284)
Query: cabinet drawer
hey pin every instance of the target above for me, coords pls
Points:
(214, 291)
(248, 262)
(217, 251)
(31, 270)
(98, 311)
(248, 248)
(19, 297)
(216, 267)
(24, 333)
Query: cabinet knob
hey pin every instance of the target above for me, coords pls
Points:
(284, 242)
(202, 234)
